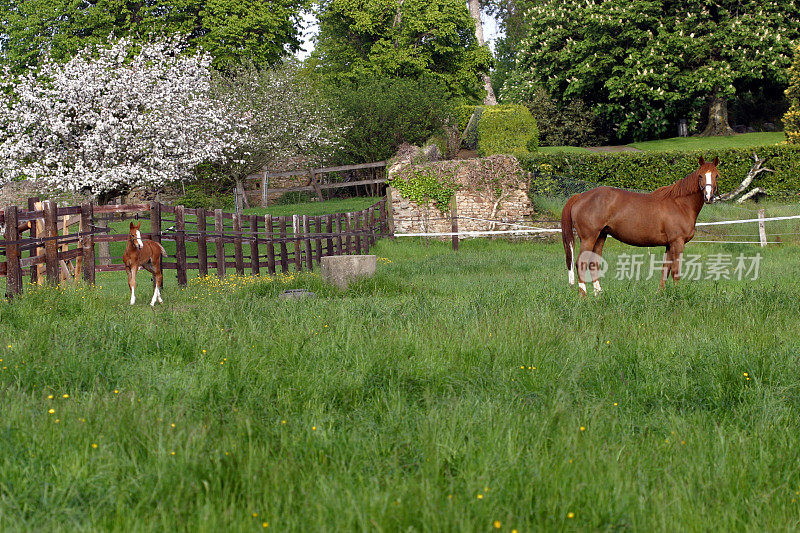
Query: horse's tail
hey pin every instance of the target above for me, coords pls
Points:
(163, 251)
(567, 237)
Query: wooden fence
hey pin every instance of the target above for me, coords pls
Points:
(195, 239)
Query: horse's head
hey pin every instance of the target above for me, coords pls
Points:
(707, 179)
(135, 237)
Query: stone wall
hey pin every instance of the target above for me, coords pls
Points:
(491, 188)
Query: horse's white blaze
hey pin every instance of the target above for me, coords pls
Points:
(582, 287)
(596, 285)
(139, 242)
(709, 186)
(571, 272)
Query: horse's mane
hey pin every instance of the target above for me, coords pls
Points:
(683, 187)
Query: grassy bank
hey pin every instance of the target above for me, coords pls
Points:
(449, 392)
(744, 140)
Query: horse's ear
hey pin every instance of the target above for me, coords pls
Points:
(716, 161)
(132, 226)
(702, 161)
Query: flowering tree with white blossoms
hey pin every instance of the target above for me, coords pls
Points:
(283, 115)
(112, 118)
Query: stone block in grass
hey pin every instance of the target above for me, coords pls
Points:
(340, 270)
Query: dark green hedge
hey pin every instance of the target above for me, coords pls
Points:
(650, 170)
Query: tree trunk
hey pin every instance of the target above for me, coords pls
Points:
(718, 119)
(475, 11)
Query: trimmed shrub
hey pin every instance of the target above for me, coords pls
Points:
(506, 129)
(649, 170)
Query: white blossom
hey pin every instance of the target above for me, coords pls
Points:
(109, 119)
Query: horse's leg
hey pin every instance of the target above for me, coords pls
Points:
(677, 257)
(665, 267)
(132, 282)
(598, 250)
(156, 292)
(587, 245)
(159, 279)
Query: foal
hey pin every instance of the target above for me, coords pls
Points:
(146, 254)
(664, 217)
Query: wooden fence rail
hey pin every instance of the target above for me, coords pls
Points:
(195, 239)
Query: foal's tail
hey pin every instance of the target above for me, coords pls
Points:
(566, 234)
(163, 251)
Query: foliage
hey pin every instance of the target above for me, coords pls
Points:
(103, 123)
(463, 113)
(791, 120)
(649, 170)
(506, 129)
(293, 197)
(261, 31)
(385, 112)
(642, 65)
(570, 124)
(416, 39)
(372, 383)
(197, 196)
(284, 116)
(424, 187)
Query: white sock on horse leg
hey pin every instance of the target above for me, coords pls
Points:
(155, 296)
(159, 295)
(597, 289)
(582, 287)
(133, 296)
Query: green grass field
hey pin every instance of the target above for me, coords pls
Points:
(745, 140)
(451, 392)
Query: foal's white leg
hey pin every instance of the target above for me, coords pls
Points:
(132, 283)
(597, 289)
(156, 296)
(158, 291)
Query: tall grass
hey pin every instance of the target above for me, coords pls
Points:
(449, 392)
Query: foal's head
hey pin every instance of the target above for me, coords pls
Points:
(134, 237)
(707, 178)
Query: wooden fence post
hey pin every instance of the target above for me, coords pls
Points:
(298, 245)
(264, 190)
(356, 227)
(762, 231)
(33, 253)
(270, 243)
(220, 243)
(155, 221)
(348, 221)
(318, 239)
(339, 246)
(454, 221)
(372, 220)
(202, 243)
(180, 245)
(237, 244)
(254, 267)
(282, 221)
(13, 267)
(51, 245)
(307, 239)
(329, 230)
(87, 243)
(389, 213)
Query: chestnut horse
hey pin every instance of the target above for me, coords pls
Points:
(146, 254)
(664, 217)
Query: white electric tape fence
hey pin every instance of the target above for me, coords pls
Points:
(532, 230)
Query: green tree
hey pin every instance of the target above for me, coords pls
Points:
(643, 64)
(261, 31)
(401, 38)
(385, 112)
